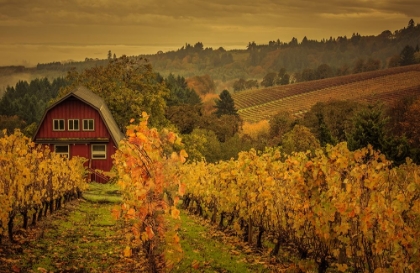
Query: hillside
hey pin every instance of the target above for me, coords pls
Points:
(341, 55)
(377, 86)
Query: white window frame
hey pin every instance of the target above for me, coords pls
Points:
(98, 154)
(73, 122)
(67, 155)
(58, 125)
(88, 129)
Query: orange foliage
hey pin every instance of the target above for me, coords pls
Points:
(208, 102)
(256, 129)
(201, 84)
(146, 175)
(350, 209)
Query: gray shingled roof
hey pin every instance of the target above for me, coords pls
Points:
(87, 96)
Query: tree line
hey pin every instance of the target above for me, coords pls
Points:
(409, 55)
(214, 131)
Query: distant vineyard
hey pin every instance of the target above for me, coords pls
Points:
(385, 85)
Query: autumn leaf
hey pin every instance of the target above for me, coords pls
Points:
(116, 212)
(342, 267)
(171, 137)
(175, 213)
(195, 264)
(131, 213)
(181, 189)
(128, 252)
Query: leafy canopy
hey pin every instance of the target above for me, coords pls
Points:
(128, 86)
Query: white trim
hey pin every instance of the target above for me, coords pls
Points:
(98, 154)
(74, 129)
(59, 129)
(62, 153)
(88, 129)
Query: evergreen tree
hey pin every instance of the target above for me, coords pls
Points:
(225, 105)
(179, 93)
(325, 136)
(411, 23)
(370, 128)
(407, 56)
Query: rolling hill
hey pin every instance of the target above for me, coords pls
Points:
(383, 86)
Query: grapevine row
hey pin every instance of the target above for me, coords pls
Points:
(342, 209)
(297, 99)
(249, 98)
(34, 180)
(150, 184)
(370, 90)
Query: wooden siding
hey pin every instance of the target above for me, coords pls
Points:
(72, 109)
(79, 141)
(84, 150)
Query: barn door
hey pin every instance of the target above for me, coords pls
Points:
(81, 150)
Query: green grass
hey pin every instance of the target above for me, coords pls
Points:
(84, 237)
(103, 193)
(81, 237)
(83, 240)
(205, 247)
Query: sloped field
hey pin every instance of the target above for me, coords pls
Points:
(383, 86)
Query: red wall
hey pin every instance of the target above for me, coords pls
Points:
(75, 109)
(72, 109)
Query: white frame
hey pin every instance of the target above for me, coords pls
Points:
(98, 154)
(88, 129)
(72, 121)
(67, 155)
(59, 123)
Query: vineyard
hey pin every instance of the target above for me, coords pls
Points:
(384, 85)
(34, 181)
(348, 211)
(333, 210)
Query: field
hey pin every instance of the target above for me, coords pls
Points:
(378, 86)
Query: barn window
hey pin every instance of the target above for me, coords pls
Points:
(73, 125)
(98, 151)
(58, 124)
(62, 150)
(88, 125)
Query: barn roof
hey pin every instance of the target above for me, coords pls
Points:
(88, 97)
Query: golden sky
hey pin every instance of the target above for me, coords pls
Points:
(34, 31)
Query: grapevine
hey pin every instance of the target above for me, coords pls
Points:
(34, 180)
(149, 179)
(349, 210)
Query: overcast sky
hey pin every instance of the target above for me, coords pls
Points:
(40, 30)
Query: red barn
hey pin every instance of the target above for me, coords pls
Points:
(80, 124)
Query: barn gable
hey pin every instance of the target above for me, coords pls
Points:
(85, 95)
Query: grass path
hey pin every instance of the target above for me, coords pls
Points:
(207, 249)
(83, 237)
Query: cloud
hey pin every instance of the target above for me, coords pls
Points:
(163, 21)
(133, 12)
